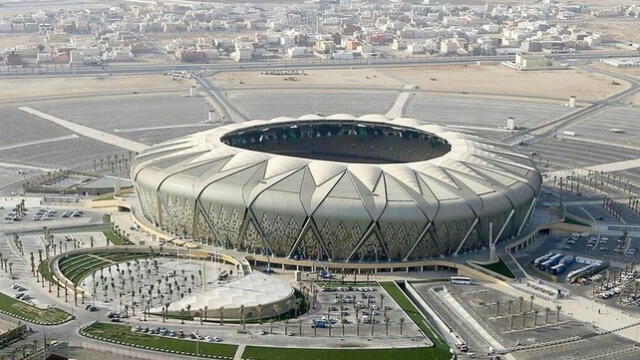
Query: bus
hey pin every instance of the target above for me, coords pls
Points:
(463, 280)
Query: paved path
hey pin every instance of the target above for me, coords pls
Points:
(39, 142)
(226, 110)
(599, 142)
(23, 166)
(148, 128)
(583, 309)
(88, 132)
(239, 352)
(607, 167)
(397, 108)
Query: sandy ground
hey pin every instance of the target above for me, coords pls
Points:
(11, 40)
(632, 100)
(500, 80)
(618, 28)
(6, 325)
(334, 78)
(61, 86)
(477, 79)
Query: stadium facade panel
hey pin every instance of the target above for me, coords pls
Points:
(337, 188)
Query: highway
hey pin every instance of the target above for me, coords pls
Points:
(553, 127)
(264, 65)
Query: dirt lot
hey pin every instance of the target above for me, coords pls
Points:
(330, 78)
(63, 86)
(11, 40)
(500, 80)
(632, 100)
(478, 79)
(618, 28)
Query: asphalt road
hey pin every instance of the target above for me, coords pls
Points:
(262, 65)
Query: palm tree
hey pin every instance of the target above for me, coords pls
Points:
(546, 315)
(298, 302)
(286, 326)
(401, 323)
(558, 308)
(271, 326)
(521, 299)
(260, 313)
(276, 310)
(373, 324)
(381, 301)
(221, 315)
(386, 325)
(188, 310)
(242, 317)
(315, 327)
(358, 327)
(531, 305)
(299, 327)
(205, 312)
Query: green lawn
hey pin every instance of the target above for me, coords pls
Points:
(18, 308)
(267, 353)
(501, 268)
(77, 267)
(441, 349)
(114, 238)
(123, 333)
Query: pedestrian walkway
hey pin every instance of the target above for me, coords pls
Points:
(398, 106)
(239, 352)
(88, 132)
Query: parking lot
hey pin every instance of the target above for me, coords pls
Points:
(358, 311)
(41, 214)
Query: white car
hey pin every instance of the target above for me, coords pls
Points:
(217, 339)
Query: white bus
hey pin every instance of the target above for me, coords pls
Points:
(463, 280)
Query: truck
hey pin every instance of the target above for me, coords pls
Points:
(549, 263)
(558, 269)
(567, 260)
(542, 258)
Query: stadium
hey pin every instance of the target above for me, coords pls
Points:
(337, 188)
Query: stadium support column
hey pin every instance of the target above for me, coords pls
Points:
(492, 246)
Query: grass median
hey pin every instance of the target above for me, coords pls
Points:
(17, 308)
(269, 353)
(499, 267)
(440, 350)
(123, 333)
(114, 238)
